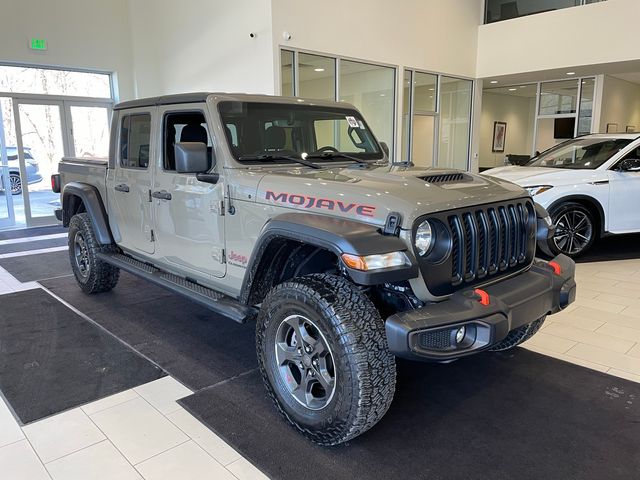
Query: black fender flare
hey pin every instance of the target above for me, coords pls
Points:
(93, 206)
(582, 198)
(337, 235)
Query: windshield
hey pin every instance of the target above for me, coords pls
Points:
(259, 132)
(580, 153)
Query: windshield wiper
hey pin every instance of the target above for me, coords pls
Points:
(335, 155)
(279, 157)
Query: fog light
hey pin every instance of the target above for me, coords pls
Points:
(460, 334)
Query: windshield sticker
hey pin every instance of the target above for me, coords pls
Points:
(352, 122)
(361, 124)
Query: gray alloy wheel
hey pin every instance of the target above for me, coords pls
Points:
(305, 362)
(16, 184)
(81, 255)
(575, 231)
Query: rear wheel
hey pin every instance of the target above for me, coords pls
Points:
(92, 274)
(519, 335)
(15, 184)
(575, 229)
(324, 358)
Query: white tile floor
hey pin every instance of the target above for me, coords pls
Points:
(143, 433)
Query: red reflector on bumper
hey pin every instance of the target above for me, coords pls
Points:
(556, 267)
(484, 296)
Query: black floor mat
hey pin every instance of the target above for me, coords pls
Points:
(28, 268)
(615, 247)
(34, 245)
(31, 232)
(495, 416)
(193, 344)
(51, 359)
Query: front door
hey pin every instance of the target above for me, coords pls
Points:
(129, 192)
(624, 198)
(189, 216)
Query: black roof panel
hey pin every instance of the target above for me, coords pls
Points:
(164, 100)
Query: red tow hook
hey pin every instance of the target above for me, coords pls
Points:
(484, 296)
(556, 267)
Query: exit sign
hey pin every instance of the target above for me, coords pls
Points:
(38, 44)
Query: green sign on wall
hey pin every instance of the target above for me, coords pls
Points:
(38, 44)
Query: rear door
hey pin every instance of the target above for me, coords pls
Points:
(189, 220)
(129, 198)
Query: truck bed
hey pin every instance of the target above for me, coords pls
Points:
(92, 171)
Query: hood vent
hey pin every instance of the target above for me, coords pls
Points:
(444, 178)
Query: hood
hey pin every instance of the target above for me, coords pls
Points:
(370, 194)
(533, 176)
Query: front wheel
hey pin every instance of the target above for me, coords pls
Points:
(15, 184)
(575, 229)
(324, 359)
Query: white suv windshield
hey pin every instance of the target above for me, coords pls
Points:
(258, 132)
(580, 153)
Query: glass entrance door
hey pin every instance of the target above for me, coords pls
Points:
(40, 132)
(7, 216)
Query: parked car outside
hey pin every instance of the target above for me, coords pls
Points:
(590, 185)
(31, 166)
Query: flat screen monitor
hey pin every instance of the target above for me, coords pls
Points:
(564, 128)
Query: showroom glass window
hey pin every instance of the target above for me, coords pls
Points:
(498, 10)
(455, 122)
(316, 77)
(371, 88)
(135, 139)
(287, 78)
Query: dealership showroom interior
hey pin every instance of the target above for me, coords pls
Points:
(290, 239)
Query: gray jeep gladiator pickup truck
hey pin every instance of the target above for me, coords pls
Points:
(289, 212)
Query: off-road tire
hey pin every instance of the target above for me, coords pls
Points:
(569, 208)
(519, 335)
(101, 276)
(365, 369)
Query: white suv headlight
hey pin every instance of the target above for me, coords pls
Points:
(424, 237)
(538, 189)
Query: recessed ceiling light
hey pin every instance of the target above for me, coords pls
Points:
(493, 81)
(571, 73)
(512, 89)
(431, 89)
(318, 69)
(523, 86)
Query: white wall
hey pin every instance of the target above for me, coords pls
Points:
(592, 34)
(426, 34)
(620, 104)
(88, 34)
(518, 113)
(202, 45)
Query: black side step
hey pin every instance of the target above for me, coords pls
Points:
(206, 297)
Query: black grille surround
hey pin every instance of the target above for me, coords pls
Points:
(478, 245)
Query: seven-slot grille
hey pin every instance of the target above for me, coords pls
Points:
(493, 239)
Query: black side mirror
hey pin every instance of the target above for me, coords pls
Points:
(385, 148)
(191, 157)
(629, 165)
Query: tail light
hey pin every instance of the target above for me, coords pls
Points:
(55, 183)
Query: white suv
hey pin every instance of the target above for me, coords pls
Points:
(590, 185)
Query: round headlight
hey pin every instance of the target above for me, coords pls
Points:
(424, 237)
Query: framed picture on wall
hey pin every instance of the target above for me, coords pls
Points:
(499, 135)
(630, 129)
(612, 128)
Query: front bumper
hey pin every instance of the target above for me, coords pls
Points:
(429, 333)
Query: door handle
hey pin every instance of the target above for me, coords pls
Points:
(122, 188)
(162, 195)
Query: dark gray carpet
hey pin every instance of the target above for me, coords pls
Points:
(29, 268)
(51, 359)
(35, 245)
(193, 344)
(494, 416)
(31, 232)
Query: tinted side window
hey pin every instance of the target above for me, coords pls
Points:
(184, 127)
(135, 138)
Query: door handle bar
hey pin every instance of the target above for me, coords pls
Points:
(162, 195)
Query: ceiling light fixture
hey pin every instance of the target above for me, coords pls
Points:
(512, 89)
(318, 69)
(571, 73)
(493, 81)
